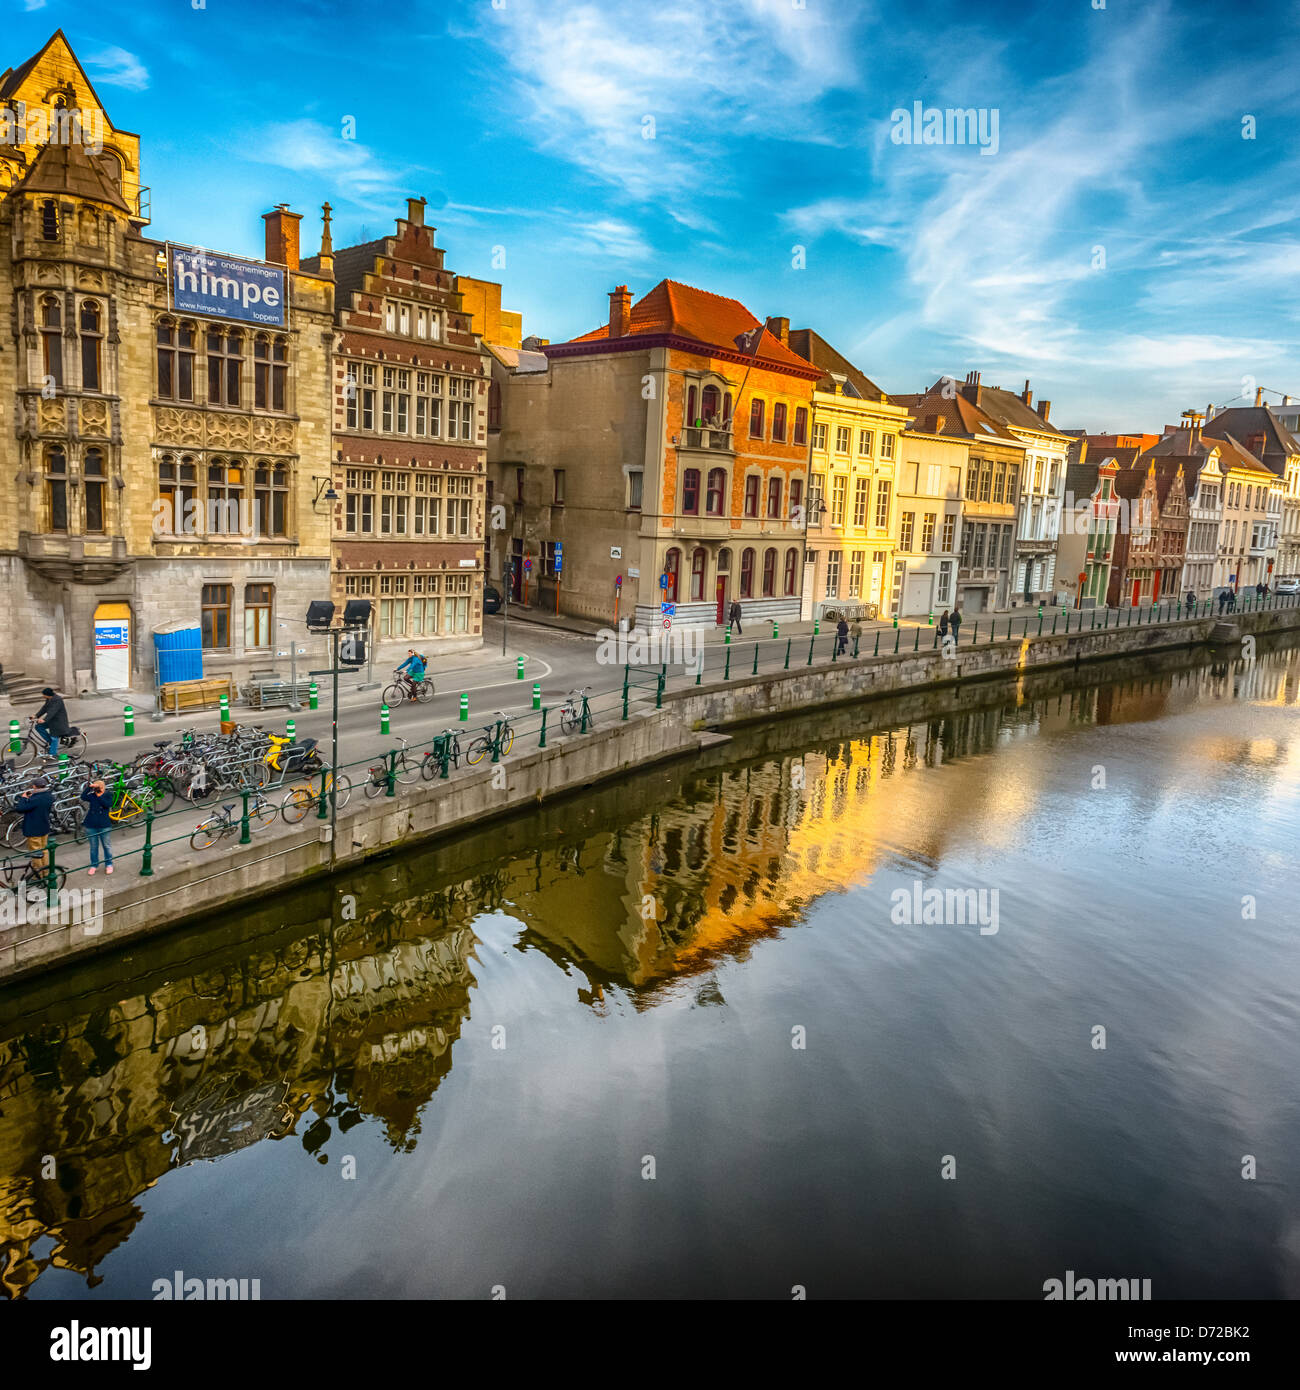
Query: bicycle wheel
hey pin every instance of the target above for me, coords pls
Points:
(261, 812)
(478, 750)
(296, 804)
(425, 692)
(163, 795)
(568, 721)
(341, 786)
(207, 833)
(393, 695)
(431, 767)
(507, 739)
(74, 745)
(40, 878)
(26, 755)
(406, 769)
(376, 783)
(13, 836)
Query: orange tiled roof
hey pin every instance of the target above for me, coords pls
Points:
(713, 320)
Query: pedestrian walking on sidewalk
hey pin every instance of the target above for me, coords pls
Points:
(733, 614)
(99, 802)
(1191, 603)
(1223, 601)
(943, 624)
(841, 636)
(955, 623)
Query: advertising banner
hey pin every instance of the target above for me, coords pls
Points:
(224, 287)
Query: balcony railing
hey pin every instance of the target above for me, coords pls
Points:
(707, 437)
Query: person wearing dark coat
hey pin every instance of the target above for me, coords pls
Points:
(955, 623)
(943, 624)
(99, 802)
(841, 636)
(52, 720)
(733, 614)
(36, 805)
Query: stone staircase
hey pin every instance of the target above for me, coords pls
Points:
(22, 689)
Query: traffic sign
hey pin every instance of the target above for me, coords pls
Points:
(663, 581)
(528, 562)
(668, 609)
(668, 622)
(618, 581)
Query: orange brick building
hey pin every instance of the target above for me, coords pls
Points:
(665, 454)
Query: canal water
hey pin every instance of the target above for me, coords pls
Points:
(940, 997)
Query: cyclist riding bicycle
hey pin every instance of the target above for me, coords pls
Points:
(412, 670)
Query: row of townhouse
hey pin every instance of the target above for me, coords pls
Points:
(210, 442)
(1210, 505)
(686, 453)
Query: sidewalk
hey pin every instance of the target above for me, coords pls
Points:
(96, 709)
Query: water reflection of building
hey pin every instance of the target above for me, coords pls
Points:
(308, 1038)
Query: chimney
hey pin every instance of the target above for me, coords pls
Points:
(620, 311)
(1044, 409)
(1259, 396)
(415, 211)
(780, 328)
(1027, 395)
(282, 236)
(971, 390)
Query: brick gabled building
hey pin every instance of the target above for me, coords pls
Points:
(410, 391)
(1149, 550)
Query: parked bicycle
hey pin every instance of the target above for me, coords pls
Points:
(432, 765)
(19, 875)
(301, 800)
(406, 768)
(224, 823)
(571, 711)
(497, 739)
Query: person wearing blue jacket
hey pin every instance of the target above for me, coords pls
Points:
(99, 802)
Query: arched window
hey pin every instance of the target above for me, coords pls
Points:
(94, 484)
(726, 411)
(711, 406)
(691, 417)
(747, 573)
(791, 570)
(769, 573)
(52, 339)
(271, 499)
(691, 491)
(270, 372)
(698, 563)
(225, 497)
(56, 488)
(225, 361)
(92, 340)
(724, 561)
(717, 492)
(672, 566)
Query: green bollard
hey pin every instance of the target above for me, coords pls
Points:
(537, 694)
(931, 619)
(776, 629)
(128, 720)
(383, 719)
(225, 709)
(727, 636)
(895, 619)
(313, 696)
(464, 709)
(519, 669)
(817, 627)
(290, 729)
(245, 830)
(146, 857)
(15, 736)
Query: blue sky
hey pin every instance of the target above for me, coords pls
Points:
(525, 126)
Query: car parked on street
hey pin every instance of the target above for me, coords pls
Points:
(1287, 587)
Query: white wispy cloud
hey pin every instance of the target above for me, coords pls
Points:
(311, 147)
(117, 67)
(31, 5)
